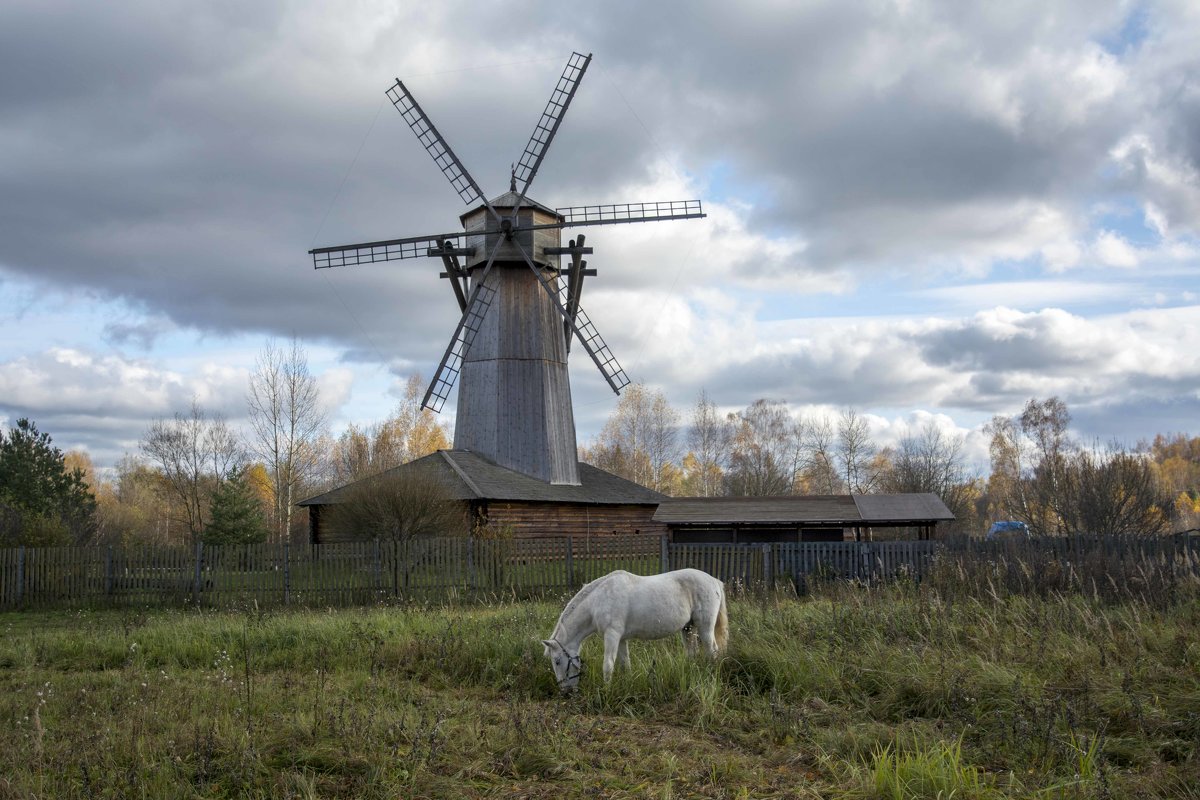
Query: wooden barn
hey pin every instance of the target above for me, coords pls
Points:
(802, 518)
(600, 504)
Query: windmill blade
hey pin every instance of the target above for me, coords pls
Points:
(450, 366)
(552, 116)
(585, 331)
(349, 255)
(435, 145)
(577, 216)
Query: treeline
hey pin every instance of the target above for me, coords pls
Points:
(195, 478)
(1038, 473)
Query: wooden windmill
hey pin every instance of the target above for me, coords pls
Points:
(518, 315)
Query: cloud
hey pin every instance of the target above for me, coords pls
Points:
(916, 168)
(1113, 251)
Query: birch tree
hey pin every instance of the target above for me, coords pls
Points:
(709, 438)
(286, 418)
(409, 433)
(639, 440)
(860, 469)
(765, 452)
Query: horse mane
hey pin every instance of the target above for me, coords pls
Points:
(586, 591)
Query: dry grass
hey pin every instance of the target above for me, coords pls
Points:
(902, 692)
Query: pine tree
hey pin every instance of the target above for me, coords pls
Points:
(235, 516)
(41, 501)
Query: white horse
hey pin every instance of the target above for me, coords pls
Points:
(623, 606)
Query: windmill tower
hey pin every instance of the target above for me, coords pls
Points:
(519, 306)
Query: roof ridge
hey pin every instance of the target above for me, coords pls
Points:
(461, 473)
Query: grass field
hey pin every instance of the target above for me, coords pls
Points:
(898, 692)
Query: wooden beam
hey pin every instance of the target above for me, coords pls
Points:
(567, 251)
(457, 275)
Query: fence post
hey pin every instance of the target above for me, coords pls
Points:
(471, 562)
(196, 577)
(378, 566)
(108, 571)
(664, 554)
(20, 574)
(570, 565)
(768, 578)
(287, 572)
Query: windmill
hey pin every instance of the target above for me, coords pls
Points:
(517, 314)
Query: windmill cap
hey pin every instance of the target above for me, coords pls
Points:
(508, 200)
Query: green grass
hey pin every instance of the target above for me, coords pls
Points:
(850, 693)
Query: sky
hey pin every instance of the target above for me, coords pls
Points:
(929, 212)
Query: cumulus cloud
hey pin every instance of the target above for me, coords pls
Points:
(179, 159)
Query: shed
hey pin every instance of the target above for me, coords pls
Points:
(801, 518)
(600, 504)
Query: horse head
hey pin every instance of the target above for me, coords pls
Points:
(567, 666)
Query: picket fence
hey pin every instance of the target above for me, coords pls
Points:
(439, 569)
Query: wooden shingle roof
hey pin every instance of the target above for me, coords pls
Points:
(471, 476)
(801, 510)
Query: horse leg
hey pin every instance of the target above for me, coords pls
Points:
(623, 654)
(612, 644)
(708, 636)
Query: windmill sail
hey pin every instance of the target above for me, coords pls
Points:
(551, 117)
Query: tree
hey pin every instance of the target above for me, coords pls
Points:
(235, 515)
(638, 442)
(1111, 493)
(398, 507)
(194, 454)
(765, 452)
(709, 438)
(286, 419)
(856, 453)
(42, 502)
(934, 461)
(1044, 423)
(1028, 454)
(132, 508)
(409, 433)
(818, 470)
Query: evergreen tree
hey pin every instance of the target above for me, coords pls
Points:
(41, 501)
(235, 516)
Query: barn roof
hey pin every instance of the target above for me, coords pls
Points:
(800, 510)
(471, 476)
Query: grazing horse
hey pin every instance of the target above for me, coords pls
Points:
(622, 606)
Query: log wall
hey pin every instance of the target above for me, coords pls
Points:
(537, 520)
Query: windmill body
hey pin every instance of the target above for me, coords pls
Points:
(519, 307)
(514, 391)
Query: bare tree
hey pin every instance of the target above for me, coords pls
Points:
(934, 461)
(856, 453)
(286, 419)
(818, 470)
(1029, 454)
(765, 452)
(398, 507)
(662, 443)
(1111, 493)
(638, 442)
(709, 439)
(194, 453)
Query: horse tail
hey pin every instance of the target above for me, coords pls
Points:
(721, 629)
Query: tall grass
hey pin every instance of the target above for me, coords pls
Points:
(862, 692)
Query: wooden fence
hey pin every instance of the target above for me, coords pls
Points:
(435, 569)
